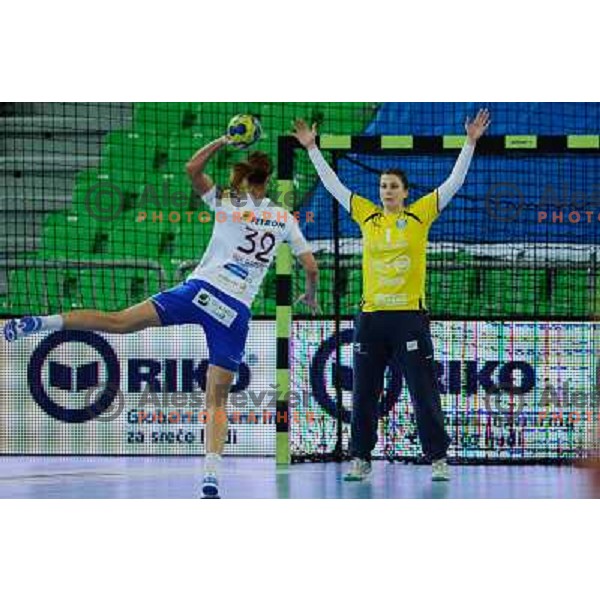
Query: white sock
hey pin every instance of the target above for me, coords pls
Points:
(54, 323)
(212, 463)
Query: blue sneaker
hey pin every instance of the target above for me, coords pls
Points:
(20, 328)
(10, 331)
(210, 487)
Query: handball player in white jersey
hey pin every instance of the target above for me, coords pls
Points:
(218, 295)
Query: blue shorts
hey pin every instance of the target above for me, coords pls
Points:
(225, 320)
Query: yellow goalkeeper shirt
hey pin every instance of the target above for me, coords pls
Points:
(394, 255)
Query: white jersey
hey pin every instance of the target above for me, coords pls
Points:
(244, 244)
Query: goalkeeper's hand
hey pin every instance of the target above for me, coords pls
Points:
(306, 135)
(477, 127)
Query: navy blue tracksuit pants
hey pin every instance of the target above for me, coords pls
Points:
(402, 336)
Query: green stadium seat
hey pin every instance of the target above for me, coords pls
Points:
(133, 238)
(326, 291)
(188, 246)
(165, 192)
(117, 289)
(44, 291)
(136, 150)
(532, 292)
(69, 236)
(30, 291)
(265, 304)
(127, 157)
(594, 295)
(98, 195)
(183, 147)
(513, 291)
(352, 297)
(192, 240)
(451, 291)
(164, 118)
(331, 291)
(570, 293)
(495, 285)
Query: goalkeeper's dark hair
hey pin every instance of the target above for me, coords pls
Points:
(256, 170)
(401, 175)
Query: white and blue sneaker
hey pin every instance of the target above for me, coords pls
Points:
(20, 328)
(440, 471)
(360, 470)
(210, 487)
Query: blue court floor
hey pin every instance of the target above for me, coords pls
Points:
(256, 478)
(161, 478)
(411, 481)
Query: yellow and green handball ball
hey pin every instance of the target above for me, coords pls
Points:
(244, 131)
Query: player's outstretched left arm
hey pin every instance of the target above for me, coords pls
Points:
(311, 268)
(475, 129)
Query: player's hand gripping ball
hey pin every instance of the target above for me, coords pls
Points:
(244, 131)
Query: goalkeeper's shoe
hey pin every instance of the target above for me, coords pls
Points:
(359, 470)
(210, 487)
(440, 470)
(20, 328)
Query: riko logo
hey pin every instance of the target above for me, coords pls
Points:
(454, 377)
(142, 375)
(80, 379)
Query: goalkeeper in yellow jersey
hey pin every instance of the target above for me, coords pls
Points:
(394, 323)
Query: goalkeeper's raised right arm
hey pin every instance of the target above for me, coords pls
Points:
(307, 137)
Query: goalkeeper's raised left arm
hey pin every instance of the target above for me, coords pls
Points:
(475, 130)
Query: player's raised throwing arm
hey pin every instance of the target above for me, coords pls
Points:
(195, 168)
(475, 129)
(307, 137)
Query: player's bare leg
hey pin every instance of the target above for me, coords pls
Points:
(134, 319)
(131, 320)
(218, 386)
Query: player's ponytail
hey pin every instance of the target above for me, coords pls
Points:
(256, 170)
(241, 172)
(261, 168)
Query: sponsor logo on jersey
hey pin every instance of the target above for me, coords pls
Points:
(391, 299)
(215, 308)
(403, 263)
(237, 270)
(391, 270)
(203, 299)
(232, 284)
(269, 223)
(397, 281)
(385, 246)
